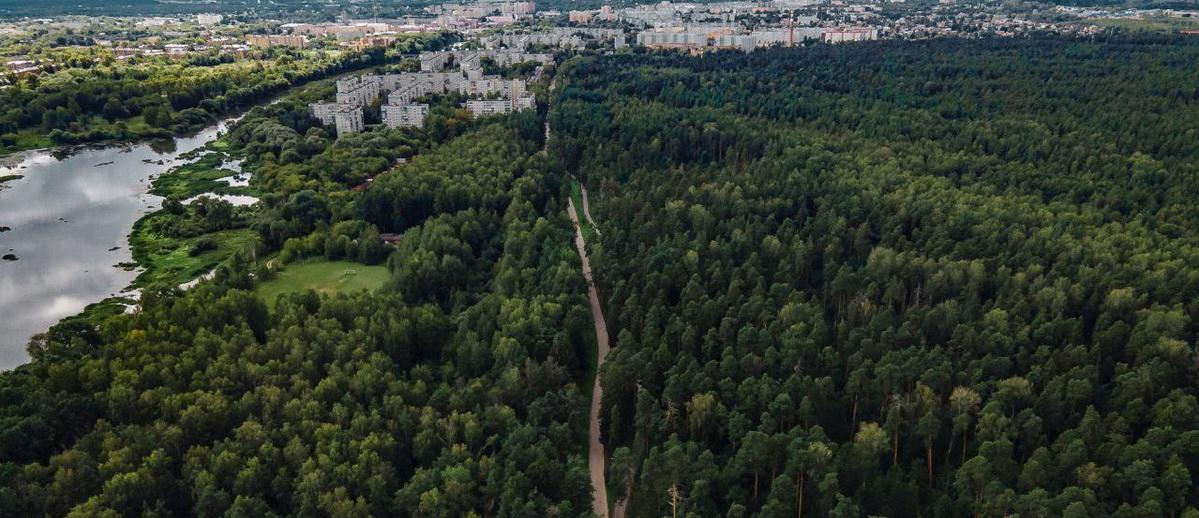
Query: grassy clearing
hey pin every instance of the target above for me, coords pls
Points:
(326, 277)
(219, 145)
(169, 261)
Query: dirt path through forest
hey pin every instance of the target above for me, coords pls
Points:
(595, 449)
(587, 210)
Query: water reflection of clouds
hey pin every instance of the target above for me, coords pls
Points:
(66, 214)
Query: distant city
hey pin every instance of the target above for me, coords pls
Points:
(690, 27)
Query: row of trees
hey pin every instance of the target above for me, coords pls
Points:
(937, 278)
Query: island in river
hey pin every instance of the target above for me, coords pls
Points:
(69, 218)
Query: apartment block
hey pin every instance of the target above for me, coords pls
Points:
(433, 61)
(482, 108)
(358, 91)
(324, 112)
(524, 102)
(281, 40)
(405, 115)
(349, 120)
(845, 35)
(485, 107)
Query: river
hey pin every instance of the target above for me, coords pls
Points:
(70, 217)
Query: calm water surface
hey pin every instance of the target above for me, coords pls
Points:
(70, 218)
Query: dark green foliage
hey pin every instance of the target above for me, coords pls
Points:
(451, 392)
(948, 278)
(940, 278)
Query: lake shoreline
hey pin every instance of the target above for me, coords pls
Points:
(70, 216)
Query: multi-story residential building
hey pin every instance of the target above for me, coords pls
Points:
(390, 82)
(284, 40)
(605, 14)
(468, 60)
(517, 88)
(349, 120)
(745, 43)
(324, 112)
(358, 91)
(482, 87)
(433, 61)
(524, 102)
(511, 58)
(671, 39)
(367, 42)
(405, 115)
(844, 35)
(401, 96)
(483, 108)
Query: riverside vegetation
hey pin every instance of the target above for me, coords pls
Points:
(948, 278)
(102, 99)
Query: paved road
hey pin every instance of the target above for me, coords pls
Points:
(595, 449)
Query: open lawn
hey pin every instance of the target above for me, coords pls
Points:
(327, 277)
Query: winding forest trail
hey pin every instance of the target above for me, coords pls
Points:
(596, 457)
(595, 449)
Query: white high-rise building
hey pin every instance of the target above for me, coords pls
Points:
(485, 107)
(405, 115)
(324, 112)
(482, 108)
(433, 61)
(524, 102)
(349, 120)
(517, 88)
(844, 35)
(358, 91)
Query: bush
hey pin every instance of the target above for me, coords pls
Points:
(202, 245)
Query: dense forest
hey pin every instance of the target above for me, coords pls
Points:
(941, 278)
(947, 278)
(451, 390)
